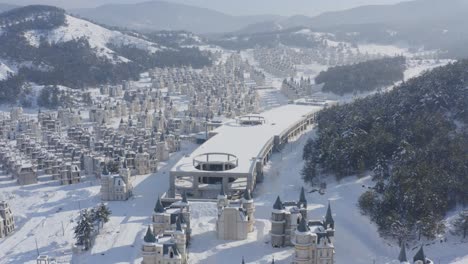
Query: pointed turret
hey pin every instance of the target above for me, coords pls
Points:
(159, 208)
(149, 237)
(303, 226)
(402, 256)
(105, 171)
(179, 223)
(184, 197)
(182, 219)
(420, 256)
(278, 204)
(273, 260)
(302, 199)
(329, 222)
(243, 261)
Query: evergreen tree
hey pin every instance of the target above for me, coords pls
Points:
(416, 151)
(84, 229)
(461, 224)
(102, 214)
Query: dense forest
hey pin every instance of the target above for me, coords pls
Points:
(414, 139)
(167, 58)
(287, 37)
(362, 77)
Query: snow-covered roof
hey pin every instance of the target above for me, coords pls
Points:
(247, 142)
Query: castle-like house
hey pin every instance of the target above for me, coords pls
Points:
(312, 240)
(70, 174)
(166, 242)
(235, 218)
(419, 258)
(7, 222)
(116, 187)
(165, 249)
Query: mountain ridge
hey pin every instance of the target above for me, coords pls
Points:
(162, 15)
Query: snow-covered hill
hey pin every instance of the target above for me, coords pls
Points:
(45, 45)
(70, 29)
(98, 37)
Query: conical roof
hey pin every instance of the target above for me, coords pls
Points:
(420, 255)
(303, 227)
(159, 208)
(184, 197)
(402, 256)
(149, 237)
(105, 171)
(179, 223)
(329, 217)
(302, 198)
(278, 204)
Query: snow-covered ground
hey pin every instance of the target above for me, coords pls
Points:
(417, 67)
(356, 241)
(97, 36)
(46, 212)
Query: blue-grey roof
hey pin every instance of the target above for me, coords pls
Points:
(166, 248)
(159, 208)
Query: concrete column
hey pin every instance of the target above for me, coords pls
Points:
(172, 180)
(226, 185)
(195, 185)
(250, 181)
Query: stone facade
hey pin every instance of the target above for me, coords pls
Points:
(312, 240)
(7, 221)
(166, 241)
(44, 259)
(25, 174)
(235, 218)
(70, 174)
(116, 187)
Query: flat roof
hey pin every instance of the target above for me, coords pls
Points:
(247, 142)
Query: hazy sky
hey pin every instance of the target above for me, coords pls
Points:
(234, 7)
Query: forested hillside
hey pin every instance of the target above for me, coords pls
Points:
(362, 77)
(44, 45)
(289, 37)
(414, 139)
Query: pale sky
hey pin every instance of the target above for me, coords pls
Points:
(233, 7)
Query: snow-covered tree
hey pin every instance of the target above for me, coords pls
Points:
(84, 229)
(461, 224)
(101, 214)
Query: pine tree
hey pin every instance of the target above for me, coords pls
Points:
(102, 214)
(461, 224)
(84, 229)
